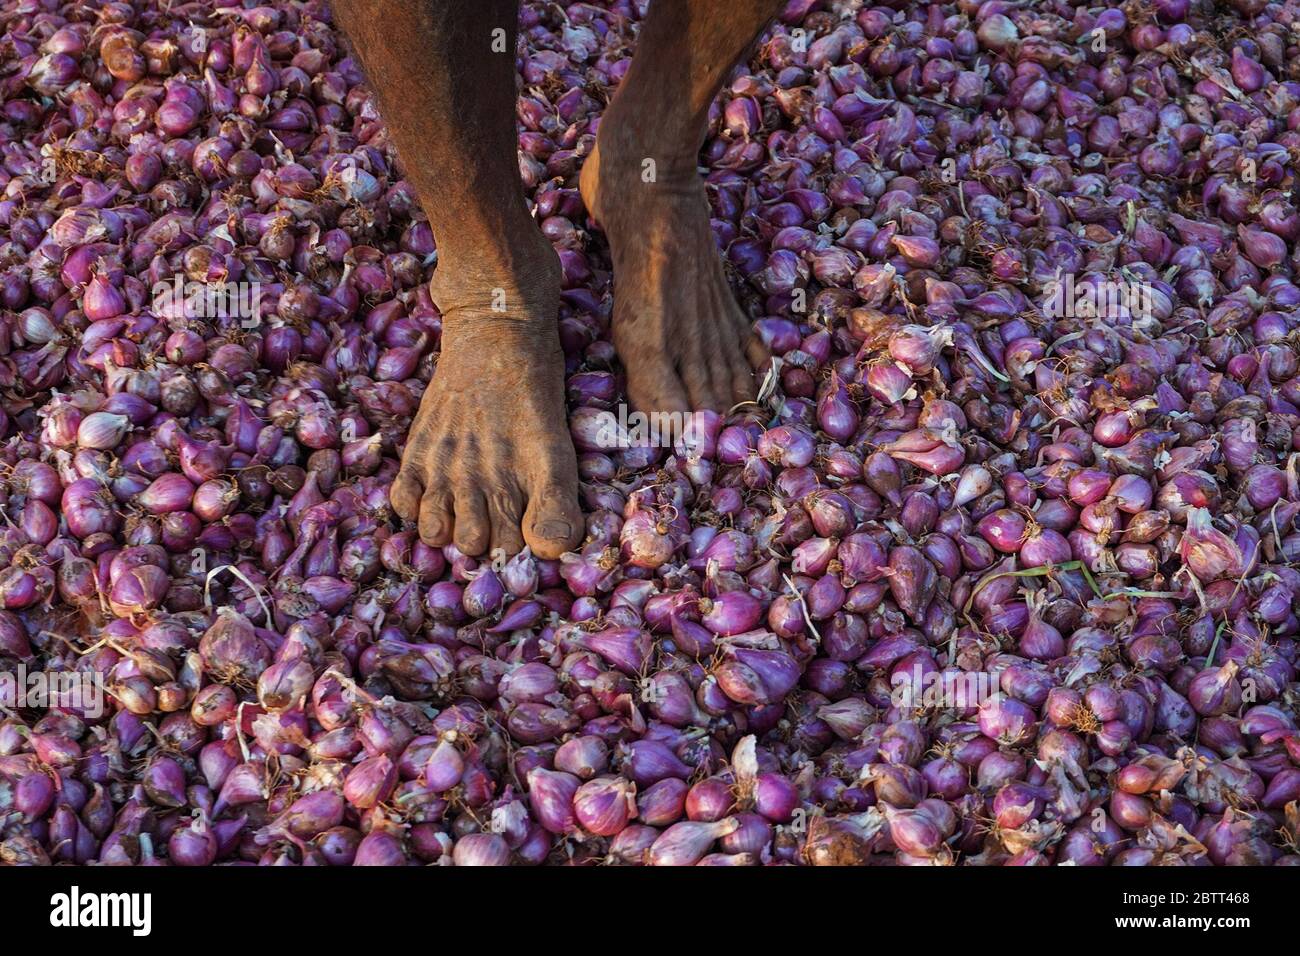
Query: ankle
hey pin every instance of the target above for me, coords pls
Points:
(629, 151)
(519, 284)
(488, 337)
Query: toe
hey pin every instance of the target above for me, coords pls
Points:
(506, 513)
(743, 387)
(722, 376)
(739, 375)
(405, 494)
(553, 522)
(435, 519)
(756, 351)
(473, 529)
(699, 383)
(655, 390)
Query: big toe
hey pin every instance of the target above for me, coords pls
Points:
(553, 522)
(654, 386)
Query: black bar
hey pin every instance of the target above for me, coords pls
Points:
(1008, 904)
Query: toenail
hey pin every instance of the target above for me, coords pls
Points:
(555, 529)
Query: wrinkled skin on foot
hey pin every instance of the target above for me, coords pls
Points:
(684, 342)
(489, 462)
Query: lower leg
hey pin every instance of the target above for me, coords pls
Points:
(444, 76)
(678, 329)
(684, 52)
(488, 462)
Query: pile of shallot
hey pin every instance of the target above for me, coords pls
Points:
(1000, 570)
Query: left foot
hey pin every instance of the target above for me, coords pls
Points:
(684, 342)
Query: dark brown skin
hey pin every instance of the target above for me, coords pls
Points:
(489, 462)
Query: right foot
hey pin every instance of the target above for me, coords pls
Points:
(489, 462)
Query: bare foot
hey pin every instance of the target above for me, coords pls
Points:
(682, 339)
(489, 462)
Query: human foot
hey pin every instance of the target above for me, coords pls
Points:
(489, 462)
(684, 342)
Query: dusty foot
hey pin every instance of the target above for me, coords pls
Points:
(678, 331)
(489, 462)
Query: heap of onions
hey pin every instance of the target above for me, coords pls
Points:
(959, 475)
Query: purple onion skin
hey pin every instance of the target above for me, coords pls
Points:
(380, 848)
(1025, 421)
(686, 843)
(481, 849)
